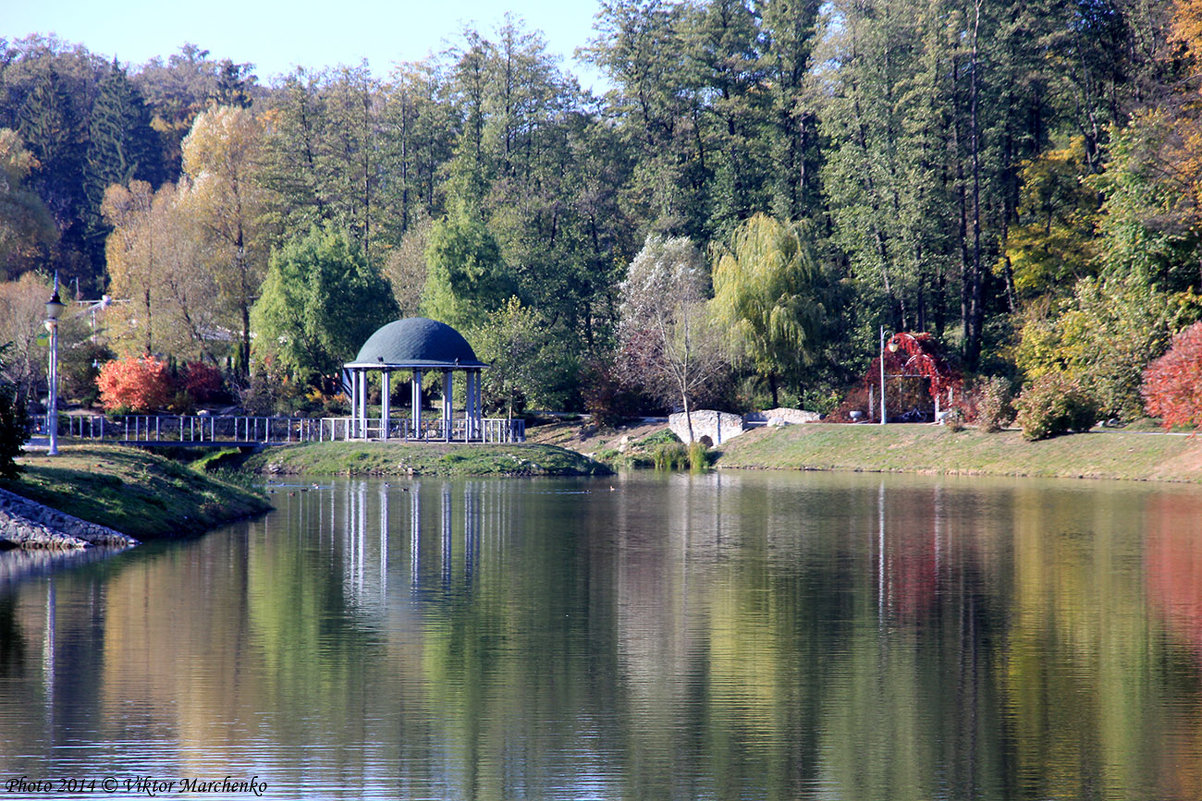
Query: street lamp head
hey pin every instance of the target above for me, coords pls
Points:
(54, 306)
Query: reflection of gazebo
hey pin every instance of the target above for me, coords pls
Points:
(420, 346)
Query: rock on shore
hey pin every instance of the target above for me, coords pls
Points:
(28, 524)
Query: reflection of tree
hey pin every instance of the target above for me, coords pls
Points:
(908, 712)
(1174, 564)
(685, 636)
(1174, 568)
(12, 642)
(1081, 709)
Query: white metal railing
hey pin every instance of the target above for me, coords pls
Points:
(402, 429)
(197, 429)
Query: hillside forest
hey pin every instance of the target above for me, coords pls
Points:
(759, 191)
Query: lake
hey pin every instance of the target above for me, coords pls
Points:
(647, 636)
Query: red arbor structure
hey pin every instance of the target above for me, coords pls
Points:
(919, 383)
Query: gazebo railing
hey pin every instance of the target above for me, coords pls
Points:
(431, 429)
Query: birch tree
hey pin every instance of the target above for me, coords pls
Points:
(668, 343)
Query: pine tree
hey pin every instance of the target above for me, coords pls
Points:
(121, 146)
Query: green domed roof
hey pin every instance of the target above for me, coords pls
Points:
(417, 342)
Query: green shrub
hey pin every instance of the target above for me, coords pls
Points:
(1054, 404)
(699, 456)
(995, 409)
(658, 438)
(670, 456)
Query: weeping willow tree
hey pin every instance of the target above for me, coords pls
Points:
(767, 291)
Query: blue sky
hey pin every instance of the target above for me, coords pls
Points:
(279, 36)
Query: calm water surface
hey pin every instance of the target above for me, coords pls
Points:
(757, 636)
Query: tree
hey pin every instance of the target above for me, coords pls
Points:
(22, 315)
(791, 27)
(320, 302)
(1172, 385)
(527, 365)
(121, 144)
(466, 278)
(52, 123)
(220, 156)
(159, 260)
(418, 134)
(1103, 337)
(641, 46)
(131, 252)
(133, 385)
(26, 227)
(668, 343)
(14, 429)
(1055, 244)
(766, 289)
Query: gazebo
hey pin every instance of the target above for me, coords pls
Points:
(424, 347)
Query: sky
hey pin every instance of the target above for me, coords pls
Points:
(277, 36)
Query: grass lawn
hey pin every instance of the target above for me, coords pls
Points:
(425, 459)
(132, 491)
(1102, 453)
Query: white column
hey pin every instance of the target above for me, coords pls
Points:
(352, 427)
(363, 402)
(385, 402)
(417, 403)
(469, 403)
(478, 404)
(447, 407)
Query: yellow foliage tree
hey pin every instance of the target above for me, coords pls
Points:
(25, 223)
(221, 156)
(157, 262)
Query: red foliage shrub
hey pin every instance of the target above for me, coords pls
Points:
(203, 382)
(1172, 387)
(134, 385)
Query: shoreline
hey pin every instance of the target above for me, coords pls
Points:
(920, 449)
(932, 450)
(105, 495)
(422, 459)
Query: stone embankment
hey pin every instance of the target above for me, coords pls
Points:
(27, 524)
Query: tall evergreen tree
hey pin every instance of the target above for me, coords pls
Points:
(121, 146)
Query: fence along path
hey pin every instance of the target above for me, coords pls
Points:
(202, 430)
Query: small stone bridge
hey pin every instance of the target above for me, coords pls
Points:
(714, 428)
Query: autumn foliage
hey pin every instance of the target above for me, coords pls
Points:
(139, 384)
(1172, 386)
(204, 383)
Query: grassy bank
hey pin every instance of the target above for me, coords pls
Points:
(930, 449)
(132, 491)
(425, 459)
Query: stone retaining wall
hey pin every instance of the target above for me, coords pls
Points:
(28, 524)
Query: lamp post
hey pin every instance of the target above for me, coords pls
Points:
(892, 349)
(883, 418)
(54, 308)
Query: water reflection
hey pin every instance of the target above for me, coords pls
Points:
(717, 636)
